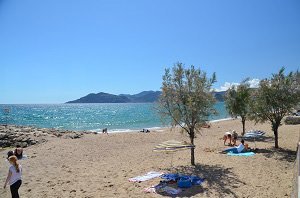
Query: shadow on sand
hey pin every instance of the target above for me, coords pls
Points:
(221, 179)
(280, 154)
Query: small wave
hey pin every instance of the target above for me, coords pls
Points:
(220, 120)
(158, 129)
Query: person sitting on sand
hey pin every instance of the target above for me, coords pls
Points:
(227, 136)
(18, 152)
(237, 149)
(14, 177)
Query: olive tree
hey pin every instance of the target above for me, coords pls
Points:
(237, 101)
(275, 98)
(186, 99)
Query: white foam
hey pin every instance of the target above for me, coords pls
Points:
(221, 120)
(156, 129)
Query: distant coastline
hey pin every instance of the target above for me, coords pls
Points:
(142, 97)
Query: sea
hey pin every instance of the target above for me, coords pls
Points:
(120, 117)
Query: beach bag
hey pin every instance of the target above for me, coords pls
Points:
(184, 182)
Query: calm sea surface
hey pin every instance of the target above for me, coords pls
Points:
(94, 117)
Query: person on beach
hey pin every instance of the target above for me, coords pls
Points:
(9, 153)
(104, 130)
(145, 131)
(234, 137)
(237, 149)
(18, 152)
(14, 177)
(227, 136)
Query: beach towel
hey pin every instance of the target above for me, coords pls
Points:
(246, 154)
(254, 134)
(147, 176)
(163, 189)
(169, 190)
(154, 189)
(175, 177)
(170, 177)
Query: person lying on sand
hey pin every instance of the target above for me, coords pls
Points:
(237, 149)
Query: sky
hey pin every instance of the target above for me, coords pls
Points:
(53, 51)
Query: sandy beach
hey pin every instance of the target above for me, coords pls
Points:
(99, 165)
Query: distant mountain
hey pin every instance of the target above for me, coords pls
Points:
(143, 97)
(220, 96)
(101, 98)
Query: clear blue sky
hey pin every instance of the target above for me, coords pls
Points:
(52, 51)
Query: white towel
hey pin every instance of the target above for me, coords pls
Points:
(147, 176)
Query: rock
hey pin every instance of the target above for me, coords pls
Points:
(26, 136)
(3, 135)
(23, 144)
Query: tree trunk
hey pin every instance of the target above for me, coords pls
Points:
(192, 136)
(243, 122)
(275, 130)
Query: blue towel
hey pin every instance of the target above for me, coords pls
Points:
(247, 154)
(176, 177)
(170, 177)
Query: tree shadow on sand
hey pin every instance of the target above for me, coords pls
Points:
(279, 153)
(222, 180)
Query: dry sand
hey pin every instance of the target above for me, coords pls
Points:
(100, 165)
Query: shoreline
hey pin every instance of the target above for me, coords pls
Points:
(156, 128)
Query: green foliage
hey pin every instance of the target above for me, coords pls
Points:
(237, 101)
(186, 98)
(275, 98)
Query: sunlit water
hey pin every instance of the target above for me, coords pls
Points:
(93, 117)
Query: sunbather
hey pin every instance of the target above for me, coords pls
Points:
(237, 149)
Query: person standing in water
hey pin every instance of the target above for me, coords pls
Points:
(14, 177)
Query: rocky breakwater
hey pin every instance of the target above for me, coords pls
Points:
(24, 136)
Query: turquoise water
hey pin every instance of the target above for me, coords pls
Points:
(94, 117)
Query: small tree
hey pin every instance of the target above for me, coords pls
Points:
(275, 98)
(237, 101)
(186, 99)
